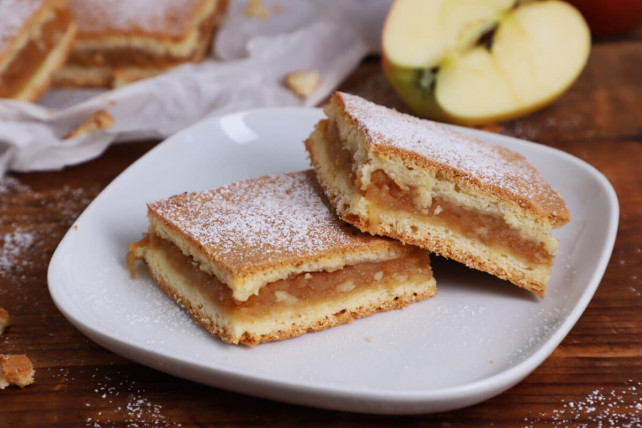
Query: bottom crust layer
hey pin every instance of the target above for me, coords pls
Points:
(234, 322)
(72, 75)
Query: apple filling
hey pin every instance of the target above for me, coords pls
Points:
(29, 59)
(384, 194)
(489, 229)
(301, 290)
(120, 57)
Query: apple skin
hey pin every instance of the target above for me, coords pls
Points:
(404, 81)
(610, 17)
(424, 104)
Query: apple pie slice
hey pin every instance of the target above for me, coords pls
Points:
(267, 259)
(422, 183)
(120, 41)
(35, 38)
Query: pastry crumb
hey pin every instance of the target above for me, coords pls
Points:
(256, 9)
(15, 370)
(303, 83)
(5, 320)
(98, 121)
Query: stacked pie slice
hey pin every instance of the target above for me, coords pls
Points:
(424, 184)
(267, 259)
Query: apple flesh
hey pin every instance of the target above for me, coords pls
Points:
(480, 61)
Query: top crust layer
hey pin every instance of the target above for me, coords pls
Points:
(464, 159)
(167, 18)
(257, 231)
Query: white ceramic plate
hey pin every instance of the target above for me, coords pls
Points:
(477, 338)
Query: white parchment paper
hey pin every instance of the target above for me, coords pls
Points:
(249, 60)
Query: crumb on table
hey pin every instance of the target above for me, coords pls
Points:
(5, 320)
(15, 370)
(256, 9)
(303, 83)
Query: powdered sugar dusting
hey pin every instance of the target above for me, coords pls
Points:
(619, 406)
(505, 171)
(9, 184)
(14, 245)
(150, 16)
(13, 14)
(544, 324)
(262, 221)
(29, 219)
(120, 400)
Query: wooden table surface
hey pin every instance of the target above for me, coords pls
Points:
(594, 378)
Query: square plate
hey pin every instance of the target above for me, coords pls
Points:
(478, 337)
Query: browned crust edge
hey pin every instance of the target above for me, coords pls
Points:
(38, 91)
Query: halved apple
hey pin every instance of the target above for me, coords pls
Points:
(481, 61)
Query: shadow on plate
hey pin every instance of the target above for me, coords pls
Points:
(451, 275)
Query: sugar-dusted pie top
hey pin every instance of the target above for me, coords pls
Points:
(259, 230)
(168, 17)
(484, 166)
(13, 16)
